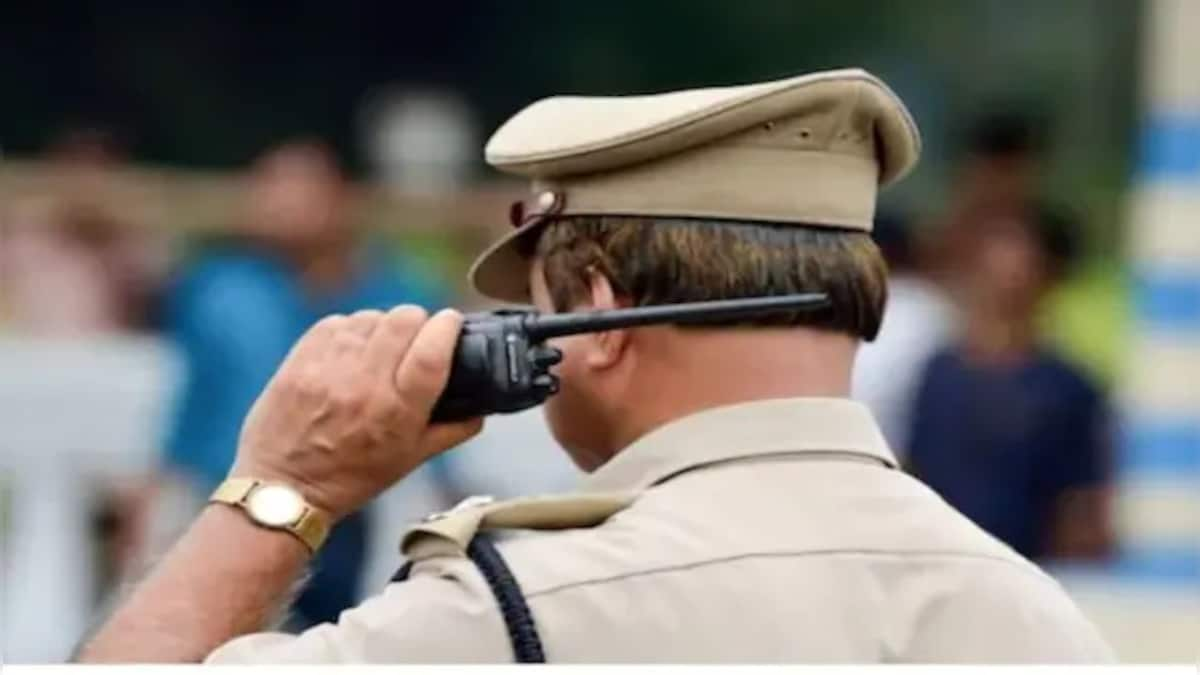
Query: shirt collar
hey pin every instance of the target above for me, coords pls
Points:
(744, 430)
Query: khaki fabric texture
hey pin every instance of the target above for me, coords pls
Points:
(773, 531)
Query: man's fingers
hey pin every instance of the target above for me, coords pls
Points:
(424, 369)
(355, 333)
(393, 334)
(316, 341)
(364, 322)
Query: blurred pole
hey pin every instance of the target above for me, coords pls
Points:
(1159, 493)
(73, 414)
(48, 577)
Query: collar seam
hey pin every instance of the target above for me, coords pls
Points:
(774, 455)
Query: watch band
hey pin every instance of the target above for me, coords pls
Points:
(311, 527)
(233, 491)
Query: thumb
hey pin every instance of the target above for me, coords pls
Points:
(424, 369)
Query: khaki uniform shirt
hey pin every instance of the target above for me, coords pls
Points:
(770, 531)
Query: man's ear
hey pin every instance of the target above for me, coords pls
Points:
(606, 347)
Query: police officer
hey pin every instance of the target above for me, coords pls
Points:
(738, 509)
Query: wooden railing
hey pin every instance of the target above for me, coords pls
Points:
(183, 201)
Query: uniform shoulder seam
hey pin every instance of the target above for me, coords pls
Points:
(986, 557)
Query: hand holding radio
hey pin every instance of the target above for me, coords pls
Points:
(347, 413)
(363, 400)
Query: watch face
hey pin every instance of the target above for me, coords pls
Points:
(275, 505)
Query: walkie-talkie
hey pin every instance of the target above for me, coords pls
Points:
(502, 364)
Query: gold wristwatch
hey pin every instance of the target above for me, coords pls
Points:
(277, 507)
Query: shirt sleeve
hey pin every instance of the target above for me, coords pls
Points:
(1087, 459)
(917, 435)
(444, 613)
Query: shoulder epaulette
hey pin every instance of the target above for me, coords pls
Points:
(450, 532)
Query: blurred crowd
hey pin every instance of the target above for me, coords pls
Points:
(230, 305)
(965, 387)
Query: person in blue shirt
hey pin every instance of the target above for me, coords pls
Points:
(1003, 428)
(238, 307)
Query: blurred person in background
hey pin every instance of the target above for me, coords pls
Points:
(69, 265)
(239, 306)
(75, 269)
(998, 177)
(1003, 428)
(70, 269)
(71, 273)
(918, 320)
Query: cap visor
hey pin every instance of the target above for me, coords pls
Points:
(501, 272)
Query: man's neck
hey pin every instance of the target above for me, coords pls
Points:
(324, 268)
(996, 337)
(698, 371)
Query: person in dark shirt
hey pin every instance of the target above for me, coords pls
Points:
(1003, 428)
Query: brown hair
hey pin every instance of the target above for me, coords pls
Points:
(654, 261)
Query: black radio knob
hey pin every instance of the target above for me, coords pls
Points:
(544, 356)
(547, 383)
